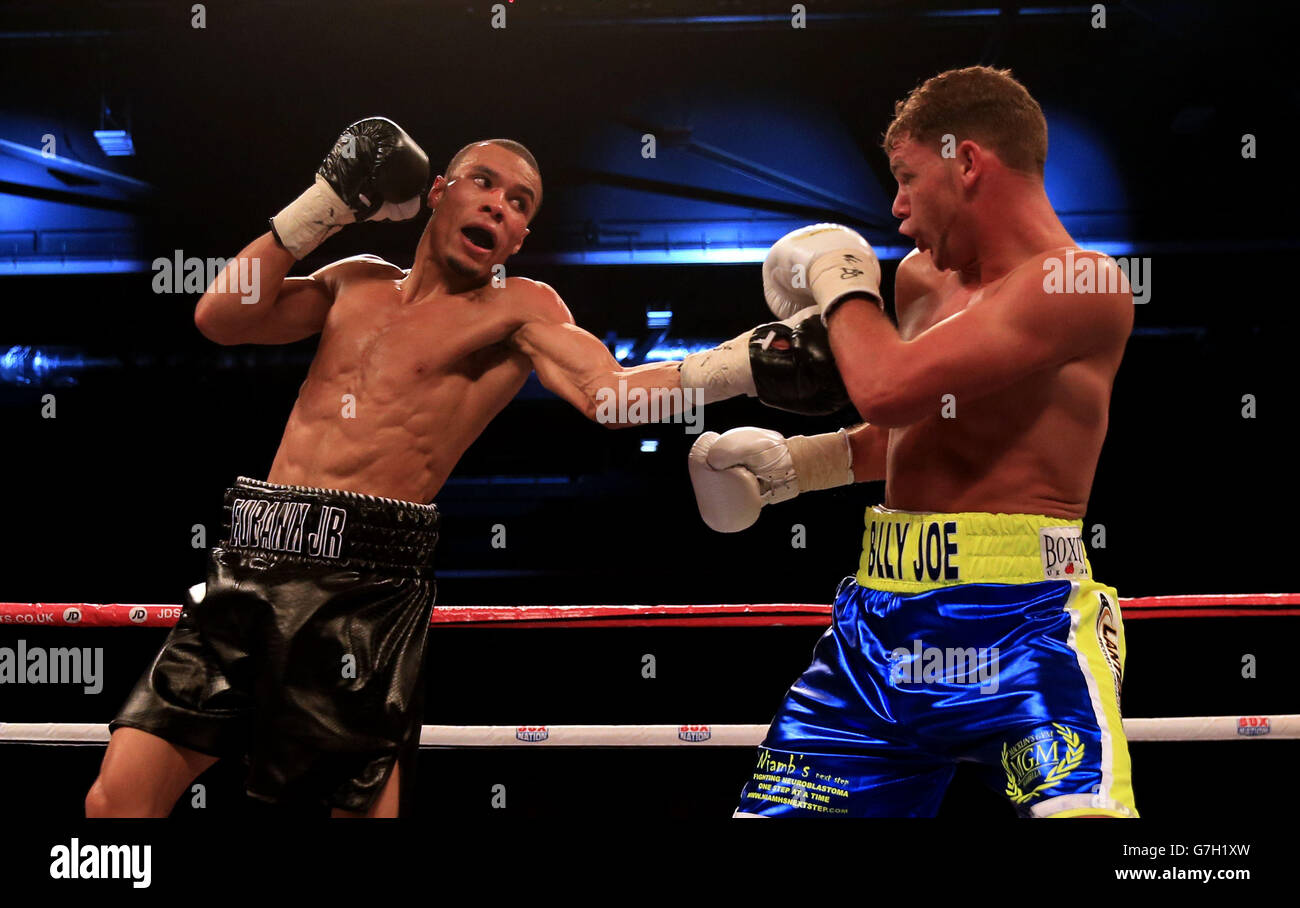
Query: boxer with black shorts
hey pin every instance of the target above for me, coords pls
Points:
(310, 624)
(304, 649)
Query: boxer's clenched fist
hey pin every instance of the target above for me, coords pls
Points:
(736, 473)
(374, 172)
(819, 265)
(786, 364)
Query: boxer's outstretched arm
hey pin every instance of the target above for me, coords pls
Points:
(252, 302)
(578, 367)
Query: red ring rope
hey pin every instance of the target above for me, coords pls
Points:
(86, 614)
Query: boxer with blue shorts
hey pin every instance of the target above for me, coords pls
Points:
(974, 630)
(975, 638)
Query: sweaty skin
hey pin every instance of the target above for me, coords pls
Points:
(398, 390)
(992, 394)
(412, 365)
(1031, 447)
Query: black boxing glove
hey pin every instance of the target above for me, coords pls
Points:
(793, 367)
(374, 172)
(786, 365)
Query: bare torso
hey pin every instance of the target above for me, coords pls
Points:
(1029, 448)
(397, 391)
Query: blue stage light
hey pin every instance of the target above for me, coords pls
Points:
(116, 143)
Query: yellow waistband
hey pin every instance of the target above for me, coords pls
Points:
(904, 551)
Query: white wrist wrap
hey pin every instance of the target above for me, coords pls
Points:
(311, 219)
(722, 372)
(834, 275)
(821, 461)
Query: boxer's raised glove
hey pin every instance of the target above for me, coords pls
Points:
(734, 474)
(820, 266)
(374, 172)
(786, 364)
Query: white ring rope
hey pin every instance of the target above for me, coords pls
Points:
(1187, 728)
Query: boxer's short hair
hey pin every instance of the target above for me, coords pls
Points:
(986, 105)
(510, 145)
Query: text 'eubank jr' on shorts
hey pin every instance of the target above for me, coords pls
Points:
(964, 637)
(304, 650)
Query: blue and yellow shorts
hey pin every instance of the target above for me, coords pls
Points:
(964, 637)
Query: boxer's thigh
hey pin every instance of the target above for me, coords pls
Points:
(1057, 745)
(193, 694)
(143, 775)
(837, 746)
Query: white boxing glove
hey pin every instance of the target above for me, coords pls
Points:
(736, 473)
(819, 266)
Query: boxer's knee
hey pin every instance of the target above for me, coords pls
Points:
(97, 801)
(104, 800)
(107, 799)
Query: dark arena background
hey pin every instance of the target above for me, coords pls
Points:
(138, 132)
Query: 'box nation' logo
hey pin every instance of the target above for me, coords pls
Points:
(1253, 725)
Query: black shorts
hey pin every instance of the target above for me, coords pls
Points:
(306, 649)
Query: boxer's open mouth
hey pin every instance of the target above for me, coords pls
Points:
(480, 237)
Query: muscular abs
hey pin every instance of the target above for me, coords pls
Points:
(397, 392)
